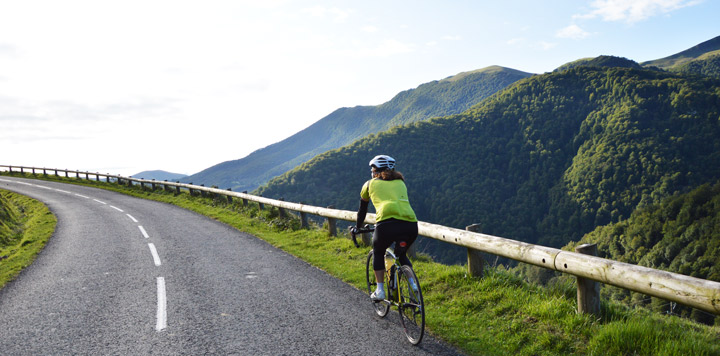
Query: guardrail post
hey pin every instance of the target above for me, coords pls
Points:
(332, 223)
(281, 211)
(66, 173)
(588, 291)
(303, 219)
(474, 258)
(44, 171)
(245, 201)
(202, 192)
(190, 189)
(367, 240)
(261, 205)
(153, 185)
(33, 171)
(229, 198)
(177, 188)
(22, 170)
(97, 177)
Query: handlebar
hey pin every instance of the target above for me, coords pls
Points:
(354, 231)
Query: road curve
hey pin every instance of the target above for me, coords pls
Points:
(123, 275)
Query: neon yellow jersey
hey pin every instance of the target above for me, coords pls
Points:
(390, 199)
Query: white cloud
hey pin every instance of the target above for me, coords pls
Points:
(452, 38)
(8, 50)
(337, 15)
(573, 32)
(386, 48)
(632, 11)
(370, 29)
(545, 46)
(515, 41)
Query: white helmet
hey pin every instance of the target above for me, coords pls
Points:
(383, 161)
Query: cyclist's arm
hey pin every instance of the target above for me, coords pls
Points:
(362, 212)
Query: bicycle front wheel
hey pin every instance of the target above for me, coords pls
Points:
(411, 307)
(381, 308)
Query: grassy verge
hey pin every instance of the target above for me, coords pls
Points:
(499, 314)
(25, 226)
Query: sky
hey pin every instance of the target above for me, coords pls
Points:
(126, 86)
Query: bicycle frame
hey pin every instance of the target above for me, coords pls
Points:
(410, 305)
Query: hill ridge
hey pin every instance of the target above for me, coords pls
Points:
(686, 55)
(345, 125)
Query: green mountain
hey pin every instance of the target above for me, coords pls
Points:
(544, 161)
(159, 175)
(438, 98)
(707, 65)
(601, 61)
(687, 55)
(680, 234)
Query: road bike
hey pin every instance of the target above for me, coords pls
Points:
(399, 292)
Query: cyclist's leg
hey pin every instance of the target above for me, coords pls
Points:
(382, 239)
(405, 236)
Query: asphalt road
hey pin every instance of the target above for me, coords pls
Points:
(128, 276)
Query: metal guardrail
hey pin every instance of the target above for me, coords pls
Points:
(695, 292)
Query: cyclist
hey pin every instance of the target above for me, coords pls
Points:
(395, 220)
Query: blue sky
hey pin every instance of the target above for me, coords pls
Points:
(125, 86)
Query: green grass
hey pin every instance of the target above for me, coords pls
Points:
(499, 314)
(25, 226)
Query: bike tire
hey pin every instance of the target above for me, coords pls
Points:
(411, 306)
(381, 308)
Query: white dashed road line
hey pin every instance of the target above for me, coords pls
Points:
(161, 322)
(143, 232)
(161, 316)
(154, 253)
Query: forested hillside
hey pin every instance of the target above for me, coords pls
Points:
(707, 65)
(681, 234)
(601, 61)
(688, 55)
(544, 161)
(438, 98)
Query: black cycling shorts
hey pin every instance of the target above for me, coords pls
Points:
(403, 233)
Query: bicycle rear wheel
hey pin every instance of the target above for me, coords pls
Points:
(381, 308)
(411, 307)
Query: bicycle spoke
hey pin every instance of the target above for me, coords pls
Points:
(381, 308)
(411, 307)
